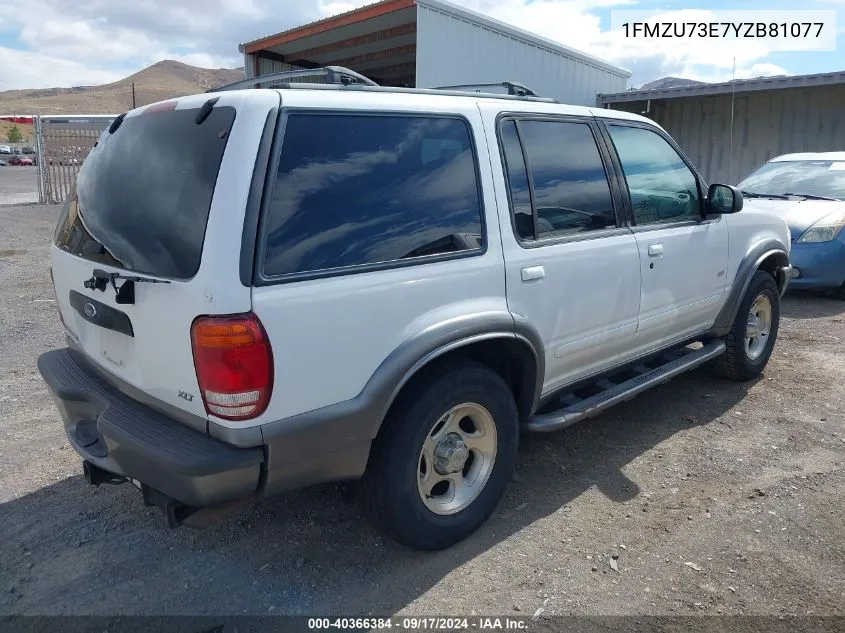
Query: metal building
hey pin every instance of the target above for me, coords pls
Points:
(771, 116)
(432, 43)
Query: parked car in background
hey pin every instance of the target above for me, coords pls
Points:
(2, 163)
(28, 150)
(21, 161)
(808, 191)
(16, 151)
(5, 149)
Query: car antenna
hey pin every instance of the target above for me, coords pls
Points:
(731, 144)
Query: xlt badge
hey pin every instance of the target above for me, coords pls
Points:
(185, 395)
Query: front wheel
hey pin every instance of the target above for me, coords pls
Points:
(752, 337)
(444, 455)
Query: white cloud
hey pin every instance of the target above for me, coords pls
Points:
(570, 22)
(22, 69)
(81, 40)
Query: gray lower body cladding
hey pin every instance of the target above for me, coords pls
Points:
(120, 435)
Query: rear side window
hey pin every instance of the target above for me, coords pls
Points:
(569, 192)
(523, 214)
(355, 190)
(144, 192)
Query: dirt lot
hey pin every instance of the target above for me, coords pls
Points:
(716, 497)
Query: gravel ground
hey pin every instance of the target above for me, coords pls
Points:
(18, 185)
(703, 496)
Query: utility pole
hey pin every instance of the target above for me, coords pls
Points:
(733, 110)
(133, 95)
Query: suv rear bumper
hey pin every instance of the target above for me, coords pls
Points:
(129, 439)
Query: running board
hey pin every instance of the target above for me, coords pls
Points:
(580, 409)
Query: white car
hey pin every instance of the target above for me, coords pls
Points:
(266, 289)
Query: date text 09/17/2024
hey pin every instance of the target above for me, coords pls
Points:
(439, 624)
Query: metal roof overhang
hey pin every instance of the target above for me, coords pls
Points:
(746, 85)
(378, 40)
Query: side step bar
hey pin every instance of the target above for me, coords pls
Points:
(581, 409)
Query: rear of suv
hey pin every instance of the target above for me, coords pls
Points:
(267, 289)
(147, 281)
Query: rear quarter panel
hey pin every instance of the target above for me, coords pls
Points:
(330, 335)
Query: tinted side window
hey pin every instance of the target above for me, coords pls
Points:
(571, 192)
(523, 217)
(662, 187)
(354, 190)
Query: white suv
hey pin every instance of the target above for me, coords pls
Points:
(265, 289)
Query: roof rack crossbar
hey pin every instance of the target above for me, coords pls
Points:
(514, 88)
(333, 75)
(422, 91)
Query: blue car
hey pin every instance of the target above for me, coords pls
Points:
(808, 191)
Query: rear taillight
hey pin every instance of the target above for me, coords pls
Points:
(234, 365)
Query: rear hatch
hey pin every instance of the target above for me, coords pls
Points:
(151, 238)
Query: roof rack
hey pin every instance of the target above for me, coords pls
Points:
(514, 88)
(335, 77)
(421, 91)
(325, 75)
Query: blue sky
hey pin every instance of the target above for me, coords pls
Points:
(45, 43)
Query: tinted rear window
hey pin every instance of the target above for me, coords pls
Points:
(354, 190)
(144, 193)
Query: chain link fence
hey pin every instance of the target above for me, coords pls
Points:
(62, 143)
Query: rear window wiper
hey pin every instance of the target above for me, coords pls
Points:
(116, 123)
(125, 292)
(810, 196)
(774, 196)
(205, 110)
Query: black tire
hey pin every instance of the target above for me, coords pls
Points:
(735, 363)
(390, 485)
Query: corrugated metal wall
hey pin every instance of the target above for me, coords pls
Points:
(453, 51)
(766, 124)
(265, 66)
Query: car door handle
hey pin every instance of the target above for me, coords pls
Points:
(655, 250)
(530, 273)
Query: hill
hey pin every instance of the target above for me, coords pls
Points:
(163, 80)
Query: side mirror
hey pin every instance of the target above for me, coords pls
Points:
(724, 199)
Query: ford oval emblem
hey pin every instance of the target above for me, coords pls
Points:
(90, 310)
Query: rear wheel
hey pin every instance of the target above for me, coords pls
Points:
(752, 337)
(444, 455)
